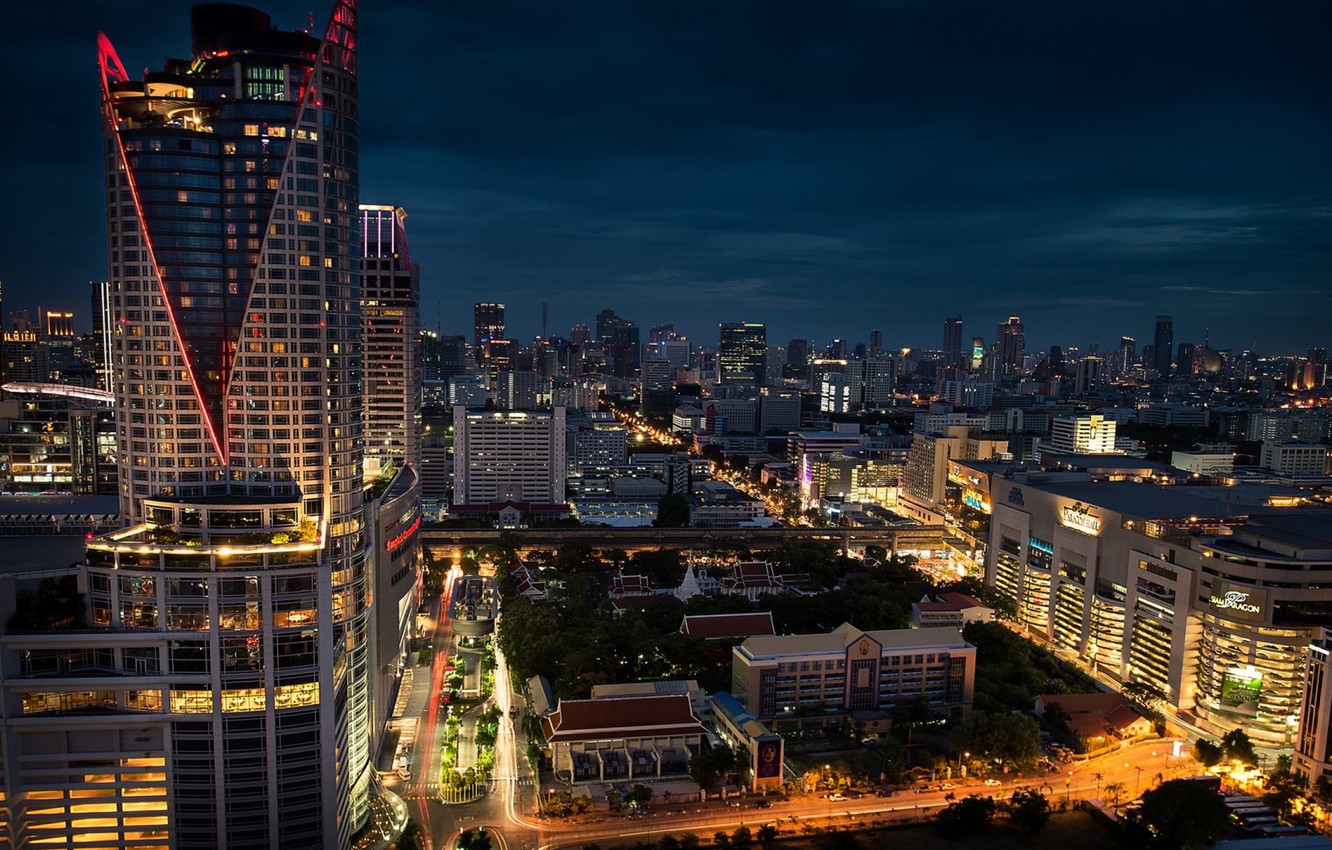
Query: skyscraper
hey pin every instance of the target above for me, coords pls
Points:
(742, 353)
(1163, 344)
(952, 342)
(391, 359)
(1128, 354)
(797, 359)
(1012, 343)
(487, 324)
(876, 342)
(227, 706)
(104, 325)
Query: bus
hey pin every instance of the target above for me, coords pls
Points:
(1281, 831)
(1242, 802)
(1254, 821)
(1207, 781)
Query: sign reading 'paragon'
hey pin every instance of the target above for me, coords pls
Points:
(1237, 603)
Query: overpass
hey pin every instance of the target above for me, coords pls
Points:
(907, 538)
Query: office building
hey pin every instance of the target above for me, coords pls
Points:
(487, 324)
(56, 438)
(220, 699)
(1011, 342)
(596, 443)
(779, 412)
(797, 360)
(1090, 375)
(876, 342)
(1296, 458)
(952, 343)
(1128, 355)
(877, 378)
(1091, 434)
(25, 355)
(742, 353)
(104, 327)
(795, 682)
(390, 343)
(1163, 344)
(515, 456)
(517, 390)
(1312, 758)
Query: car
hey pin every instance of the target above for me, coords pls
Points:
(852, 795)
(762, 804)
(884, 792)
(946, 786)
(992, 783)
(835, 797)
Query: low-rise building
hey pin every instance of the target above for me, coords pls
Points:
(818, 680)
(949, 611)
(629, 739)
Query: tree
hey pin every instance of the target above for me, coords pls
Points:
(965, 817)
(742, 837)
(1028, 811)
(1180, 814)
(1207, 753)
(767, 836)
(1014, 738)
(474, 839)
(1114, 790)
(410, 838)
(1237, 747)
(721, 838)
(1283, 787)
(639, 795)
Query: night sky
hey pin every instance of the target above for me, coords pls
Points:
(825, 167)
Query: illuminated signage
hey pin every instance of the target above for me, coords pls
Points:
(1236, 602)
(1236, 599)
(975, 500)
(402, 538)
(1240, 689)
(1080, 518)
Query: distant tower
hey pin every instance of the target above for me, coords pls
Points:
(742, 352)
(952, 342)
(104, 327)
(1163, 344)
(1128, 354)
(390, 345)
(876, 342)
(487, 324)
(1012, 342)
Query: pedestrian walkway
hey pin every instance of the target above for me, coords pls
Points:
(388, 818)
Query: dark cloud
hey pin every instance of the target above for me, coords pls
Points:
(824, 167)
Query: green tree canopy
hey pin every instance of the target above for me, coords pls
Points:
(1028, 811)
(967, 816)
(1180, 815)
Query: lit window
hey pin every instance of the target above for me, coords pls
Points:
(251, 129)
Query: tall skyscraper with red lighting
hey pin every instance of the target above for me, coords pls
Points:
(218, 695)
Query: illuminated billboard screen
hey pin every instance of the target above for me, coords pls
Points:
(1240, 689)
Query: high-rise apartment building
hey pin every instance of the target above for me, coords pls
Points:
(391, 352)
(797, 359)
(1163, 344)
(218, 697)
(487, 324)
(742, 353)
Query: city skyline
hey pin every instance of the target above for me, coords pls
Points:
(811, 172)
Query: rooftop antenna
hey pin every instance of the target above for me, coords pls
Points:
(543, 320)
(439, 318)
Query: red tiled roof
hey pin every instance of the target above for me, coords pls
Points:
(622, 717)
(960, 600)
(712, 626)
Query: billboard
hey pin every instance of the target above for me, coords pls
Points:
(1240, 689)
(768, 758)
